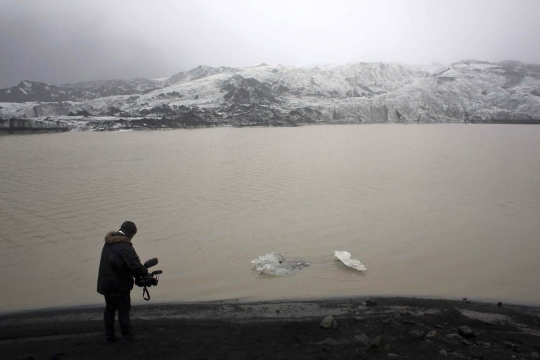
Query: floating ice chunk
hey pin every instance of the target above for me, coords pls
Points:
(276, 264)
(345, 258)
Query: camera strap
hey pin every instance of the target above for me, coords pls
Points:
(145, 293)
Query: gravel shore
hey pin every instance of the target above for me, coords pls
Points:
(376, 328)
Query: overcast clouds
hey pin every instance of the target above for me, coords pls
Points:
(71, 40)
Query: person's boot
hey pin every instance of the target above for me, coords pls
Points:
(109, 340)
(132, 339)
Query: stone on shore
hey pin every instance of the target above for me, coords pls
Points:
(417, 334)
(509, 345)
(393, 356)
(362, 339)
(329, 322)
(370, 302)
(466, 332)
(333, 342)
(443, 353)
(431, 334)
(535, 355)
(376, 344)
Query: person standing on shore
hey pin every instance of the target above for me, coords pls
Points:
(118, 267)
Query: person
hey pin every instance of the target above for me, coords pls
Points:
(118, 266)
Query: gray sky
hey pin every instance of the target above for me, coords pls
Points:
(60, 41)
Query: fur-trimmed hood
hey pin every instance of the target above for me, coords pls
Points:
(112, 237)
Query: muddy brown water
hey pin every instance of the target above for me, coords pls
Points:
(438, 211)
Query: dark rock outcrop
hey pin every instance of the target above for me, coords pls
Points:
(12, 126)
(247, 91)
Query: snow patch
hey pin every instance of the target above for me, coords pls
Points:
(489, 318)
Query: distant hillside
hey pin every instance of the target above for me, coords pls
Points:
(37, 91)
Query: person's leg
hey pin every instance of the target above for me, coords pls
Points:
(124, 306)
(111, 304)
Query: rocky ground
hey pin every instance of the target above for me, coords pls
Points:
(379, 328)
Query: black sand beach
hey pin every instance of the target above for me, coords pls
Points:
(400, 328)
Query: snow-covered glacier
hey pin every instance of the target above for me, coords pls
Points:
(467, 91)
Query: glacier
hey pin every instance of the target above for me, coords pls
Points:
(465, 92)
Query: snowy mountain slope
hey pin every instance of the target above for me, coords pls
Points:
(199, 72)
(468, 91)
(117, 87)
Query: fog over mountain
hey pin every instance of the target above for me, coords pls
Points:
(58, 42)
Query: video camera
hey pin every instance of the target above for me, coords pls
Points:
(150, 279)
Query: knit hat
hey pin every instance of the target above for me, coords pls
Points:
(128, 228)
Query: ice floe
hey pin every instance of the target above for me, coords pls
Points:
(345, 258)
(276, 264)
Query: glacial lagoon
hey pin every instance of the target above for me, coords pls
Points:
(432, 210)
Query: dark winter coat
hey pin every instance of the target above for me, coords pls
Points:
(118, 266)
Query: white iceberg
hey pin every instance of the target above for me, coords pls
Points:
(276, 264)
(345, 258)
